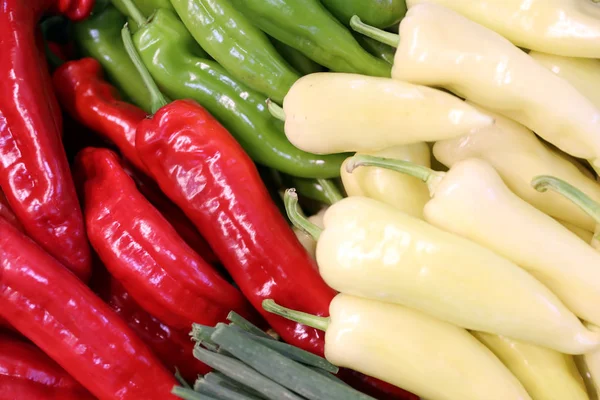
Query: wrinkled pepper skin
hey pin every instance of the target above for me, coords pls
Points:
(7, 213)
(545, 374)
(404, 260)
(393, 113)
(201, 167)
(167, 49)
(308, 27)
(64, 318)
(89, 99)
(34, 173)
(563, 27)
(415, 351)
(379, 13)
(240, 47)
(99, 37)
(174, 348)
(519, 156)
(481, 66)
(408, 194)
(27, 373)
(582, 73)
(141, 250)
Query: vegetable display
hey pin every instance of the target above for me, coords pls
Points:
(300, 199)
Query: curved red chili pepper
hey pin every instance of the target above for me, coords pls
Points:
(7, 213)
(96, 104)
(34, 173)
(64, 318)
(74, 9)
(27, 373)
(174, 348)
(201, 167)
(143, 251)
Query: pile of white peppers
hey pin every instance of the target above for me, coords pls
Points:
(478, 279)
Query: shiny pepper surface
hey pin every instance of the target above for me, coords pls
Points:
(99, 36)
(379, 13)
(201, 167)
(64, 318)
(34, 173)
(170, 53)
(140, 249)
(7, 213)
(26, 373)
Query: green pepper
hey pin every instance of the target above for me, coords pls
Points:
(322, 190)
(167, 49)
(241, 48)
(299, 61)
(99, 37)
(146, 7)
(378, 49)
(308, 27)
(379, 13)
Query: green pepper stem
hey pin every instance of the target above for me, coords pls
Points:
(391, 39)
(320, 323)
(134, 12)
(427, 175)
(157, 99)
(290, 199)
(582, 200)
(275, 110)
(331, 192)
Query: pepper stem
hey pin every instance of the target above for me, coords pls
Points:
(320, 323)
(157, 99)
(391, 39)
(427, 175)
(330, 190)
(275, 110)
(134, 12)
(290, 199)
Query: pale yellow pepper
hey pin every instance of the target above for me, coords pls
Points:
(565, 27)
(439, 47)
(583, 234)
(431, 358)
(370, 249)
(307, 241)
(582, 73)
(519, 156)
(546, 374)
(406, 193)
(335, 113)
(472, 201)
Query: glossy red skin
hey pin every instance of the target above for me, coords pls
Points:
(174, 348)
(34, 173)
(144, 252)
(88, 98)
(173, 214)
(201, 167)
(7, 213)
(27, 373)
(75, 10)
(63, 317)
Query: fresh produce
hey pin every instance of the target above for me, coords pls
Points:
(482, 66)
(409, 349)
(312, 107)
(34, 174)
(395, 194)
(542, 25)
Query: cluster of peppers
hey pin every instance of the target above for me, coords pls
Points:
(105, 264)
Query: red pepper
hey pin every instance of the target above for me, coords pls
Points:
(143, 251)
(64, 318)
(174, 348)
(74, 9)
(201, 167)
(27, 373)
(81, 89)
(34, 173)
(7, 213)
(96, 104)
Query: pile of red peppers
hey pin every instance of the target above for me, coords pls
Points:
(105, 264)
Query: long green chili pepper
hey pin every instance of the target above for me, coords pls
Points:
(379, 13)
(296, 59)
(168, 50)
(146, 7)
(235, 43)
(308, 27)
(99, 36)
